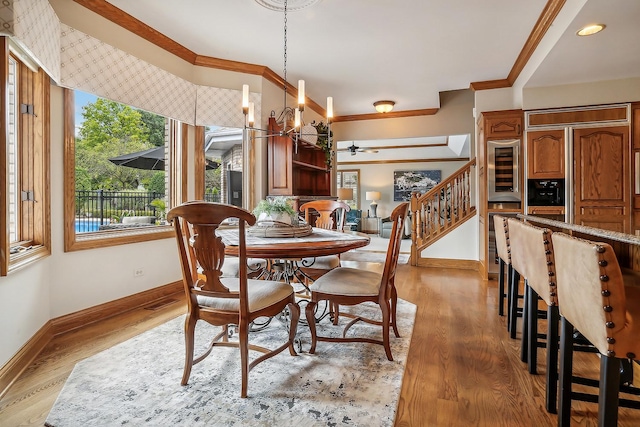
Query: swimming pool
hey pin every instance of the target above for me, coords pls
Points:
(86, 225)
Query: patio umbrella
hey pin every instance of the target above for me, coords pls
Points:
(151, 159)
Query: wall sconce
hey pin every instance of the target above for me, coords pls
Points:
(384, 106)
(373, 196)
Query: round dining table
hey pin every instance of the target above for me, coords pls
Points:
(320, 242)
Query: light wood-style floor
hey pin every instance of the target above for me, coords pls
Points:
(462, 369)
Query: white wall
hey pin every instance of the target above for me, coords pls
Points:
(461, 243)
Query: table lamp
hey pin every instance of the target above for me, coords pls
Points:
(345, 194)
(373, 196)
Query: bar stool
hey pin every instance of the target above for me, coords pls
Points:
(532, 251)
(513, 293)
(594, 298)
(504, 259)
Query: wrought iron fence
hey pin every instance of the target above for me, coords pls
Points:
(101, 209)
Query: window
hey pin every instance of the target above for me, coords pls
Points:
(122, 172)
(350, 179)
(223, 160)
(25, 154)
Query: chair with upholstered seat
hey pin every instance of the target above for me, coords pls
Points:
(504, 260)
(595, 298)
(325, 211)
(223, 301)
(345, 286)
(532, 252)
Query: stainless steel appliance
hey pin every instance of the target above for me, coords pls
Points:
(503, 158)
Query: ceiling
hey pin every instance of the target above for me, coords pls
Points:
(362, 51)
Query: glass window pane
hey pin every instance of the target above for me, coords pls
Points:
(121, 166)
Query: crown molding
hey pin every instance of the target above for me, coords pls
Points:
(390, 115)
(548, 15)
(128, 22)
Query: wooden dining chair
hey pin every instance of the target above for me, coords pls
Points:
(223, 301)
(326, 211)
(344, 286)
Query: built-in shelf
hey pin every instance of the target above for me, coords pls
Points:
(309, 166)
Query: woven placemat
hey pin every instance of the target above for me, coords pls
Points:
(279, 229)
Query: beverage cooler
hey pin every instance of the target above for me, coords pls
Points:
(503, 164)
(492, 261)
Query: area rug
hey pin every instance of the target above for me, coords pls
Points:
(138, 382)
(368, 256)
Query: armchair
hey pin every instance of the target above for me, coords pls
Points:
(353, 220)
(386, 225)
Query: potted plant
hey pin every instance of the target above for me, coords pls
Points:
(276, 209)
(161, 209)
(324, 140)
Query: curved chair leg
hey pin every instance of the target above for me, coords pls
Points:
(394, 317)
(294, 310)
(386, 315)
(189, 331)
(243, 338)
(311, 322)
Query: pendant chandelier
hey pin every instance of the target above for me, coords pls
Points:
(288, 114)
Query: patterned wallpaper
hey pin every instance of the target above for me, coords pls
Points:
(34, 26)
(79, 61)
(93, 66)
(6, 18)
(217, 106)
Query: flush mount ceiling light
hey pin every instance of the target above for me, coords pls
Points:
(384, 106)
(590, 29)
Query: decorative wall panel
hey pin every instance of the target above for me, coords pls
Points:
(223, 107)
(93, 66)
(35, 28)
(6, 18)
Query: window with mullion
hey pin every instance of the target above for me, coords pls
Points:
(25, 153)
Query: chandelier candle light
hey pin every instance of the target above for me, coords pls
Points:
(296, 114)
(373, 196)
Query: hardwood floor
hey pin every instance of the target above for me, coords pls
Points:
(462, 369)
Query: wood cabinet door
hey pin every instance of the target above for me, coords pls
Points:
(601, 178)
(280, 169)
(507, 126)
(545, 154)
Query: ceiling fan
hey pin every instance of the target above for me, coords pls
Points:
(353, 148)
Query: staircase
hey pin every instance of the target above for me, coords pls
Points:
(441, 210)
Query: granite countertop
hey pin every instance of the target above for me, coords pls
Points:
(591, 231)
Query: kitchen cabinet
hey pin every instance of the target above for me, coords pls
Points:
(296, 171)
(546, 210)
(602, 171)
(545, 154)
(503, 124)
(498, 131)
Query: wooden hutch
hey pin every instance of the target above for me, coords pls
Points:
(296, 169)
